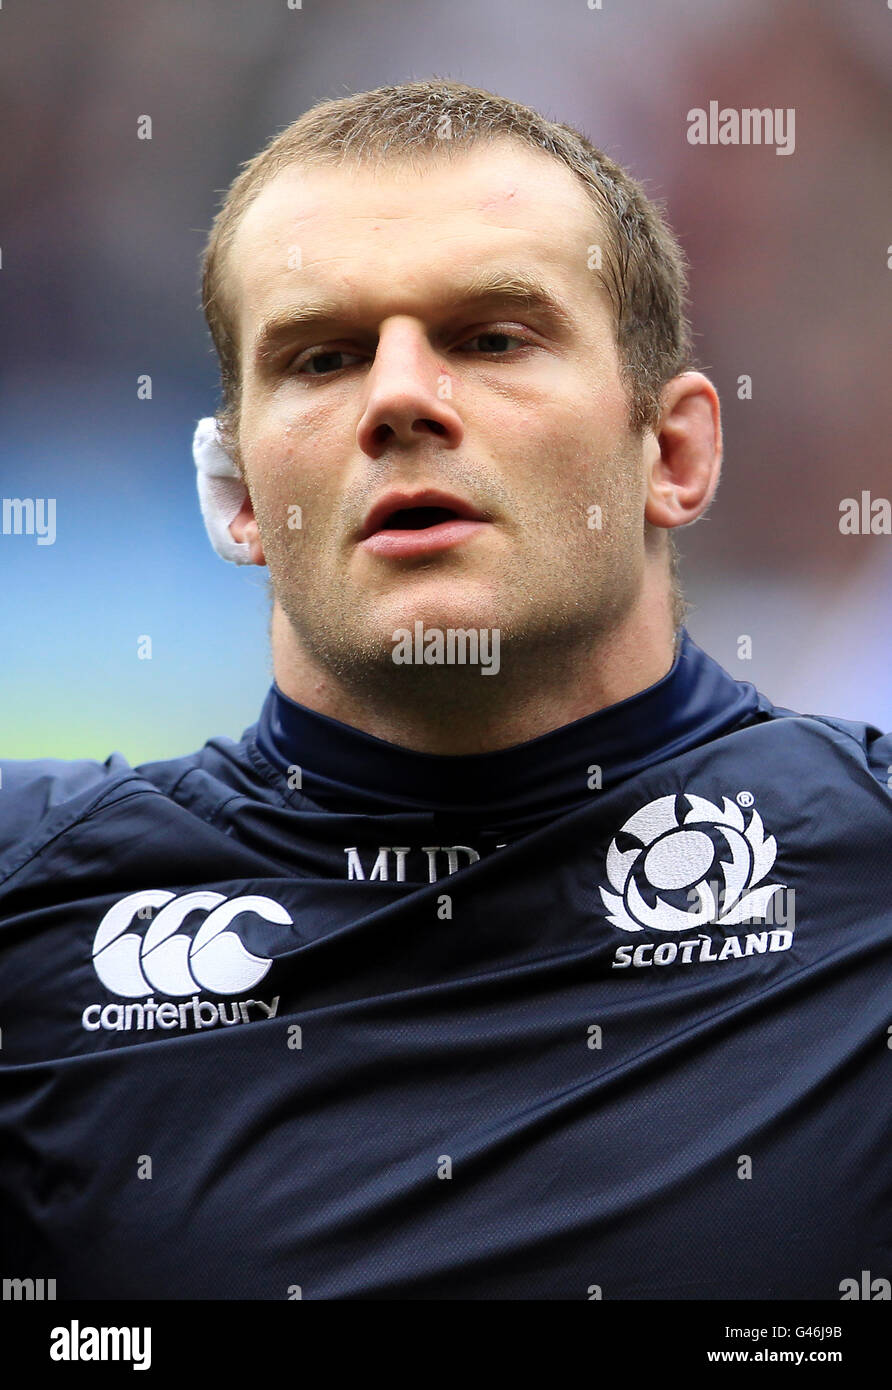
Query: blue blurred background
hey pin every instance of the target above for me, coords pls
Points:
(101, 233)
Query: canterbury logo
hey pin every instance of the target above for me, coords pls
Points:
(167, 960)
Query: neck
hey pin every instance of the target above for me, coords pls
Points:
(455, 710)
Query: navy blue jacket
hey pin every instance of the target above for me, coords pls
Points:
(312, 1015)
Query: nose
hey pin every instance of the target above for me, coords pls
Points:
(409, 392)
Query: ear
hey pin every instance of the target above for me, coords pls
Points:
(243, 527)
(684, 459)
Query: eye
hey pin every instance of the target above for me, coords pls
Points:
(327, 361)
(323, 357)
(497, 336)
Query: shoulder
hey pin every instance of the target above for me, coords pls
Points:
(42, 798)
(868, 745)
(39, 796)
(856, 746)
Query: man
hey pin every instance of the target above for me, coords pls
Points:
(517, 951)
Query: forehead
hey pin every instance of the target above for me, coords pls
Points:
(398, 232)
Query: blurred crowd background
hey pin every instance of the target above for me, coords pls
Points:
(101, 233)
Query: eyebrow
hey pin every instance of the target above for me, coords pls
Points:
(520, 288)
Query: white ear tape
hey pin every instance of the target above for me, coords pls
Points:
(221, 491)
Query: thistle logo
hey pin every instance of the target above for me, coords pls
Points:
(167, 960)
(664, 870)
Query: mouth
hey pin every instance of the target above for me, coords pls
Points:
(417, 518)
(405, 524)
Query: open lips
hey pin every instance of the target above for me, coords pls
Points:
(416, 518)
(406, 512)
(402, 523)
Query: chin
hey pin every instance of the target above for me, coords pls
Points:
(439, 604)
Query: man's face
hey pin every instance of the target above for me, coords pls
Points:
(400, 384)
